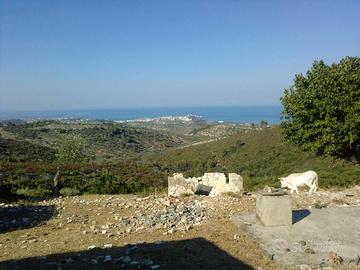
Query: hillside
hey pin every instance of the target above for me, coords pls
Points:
(104, 141)
(108, 141)
(22, 151)
(193, 128)
(138, 160)
(116, 154)
(260, 156)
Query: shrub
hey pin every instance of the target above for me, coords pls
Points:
(71, 150)
(34, 193)
(109, 183)
(69, 191)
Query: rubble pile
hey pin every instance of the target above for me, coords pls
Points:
(170, 216)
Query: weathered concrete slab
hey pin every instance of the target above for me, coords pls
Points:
(312, 236)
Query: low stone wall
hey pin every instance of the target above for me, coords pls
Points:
(178, 185)
(212, 183)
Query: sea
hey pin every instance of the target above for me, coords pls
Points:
(234, 114)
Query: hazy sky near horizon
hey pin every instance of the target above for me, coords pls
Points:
(115, 54)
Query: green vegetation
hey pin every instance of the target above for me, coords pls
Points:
(99, 141)
(111, 158)
(69, 191)
(216, 131)
(322, 109)
(23, 151)
(71, 150)
(260, 157)
(108, 183)
(86, 156)
(34, 192)
(36, 179)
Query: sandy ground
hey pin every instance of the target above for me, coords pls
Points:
(84, 232)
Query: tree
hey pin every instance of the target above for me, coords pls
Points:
(71, 150)
(322, 109)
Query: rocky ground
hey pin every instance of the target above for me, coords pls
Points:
(133, 232)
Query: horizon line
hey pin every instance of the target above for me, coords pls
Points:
(140, 107)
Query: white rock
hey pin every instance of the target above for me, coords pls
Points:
(305, 267)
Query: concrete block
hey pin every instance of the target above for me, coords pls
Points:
(274, 209)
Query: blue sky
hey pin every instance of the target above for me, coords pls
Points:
(117, 54)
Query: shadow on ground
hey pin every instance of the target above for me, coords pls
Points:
(23, 216)
(298, 215)
(196, 253)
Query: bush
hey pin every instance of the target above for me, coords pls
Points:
(34, 193)
(72, 150)
(122, 177)
(69, 191)
(109, 183)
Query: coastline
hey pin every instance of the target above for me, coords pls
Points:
(235, 114)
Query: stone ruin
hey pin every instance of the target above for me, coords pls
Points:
(211, 184)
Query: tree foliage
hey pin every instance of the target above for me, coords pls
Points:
(108, 183)
(71, 150)
(322, 109)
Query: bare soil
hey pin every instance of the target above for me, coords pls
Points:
(85, 232)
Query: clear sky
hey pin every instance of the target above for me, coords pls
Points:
(116, 54)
